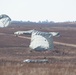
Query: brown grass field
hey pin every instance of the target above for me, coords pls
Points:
(13, 50)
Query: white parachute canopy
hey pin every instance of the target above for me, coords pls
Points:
(4, 20)
(40, 40)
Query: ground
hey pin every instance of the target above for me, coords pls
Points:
(13, 50)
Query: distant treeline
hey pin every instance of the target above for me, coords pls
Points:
(51, 23)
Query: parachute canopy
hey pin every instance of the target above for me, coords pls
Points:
(40, 40)
(4, 20)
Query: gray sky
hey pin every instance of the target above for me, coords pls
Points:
(35, 10)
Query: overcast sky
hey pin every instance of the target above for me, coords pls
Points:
(35, 10)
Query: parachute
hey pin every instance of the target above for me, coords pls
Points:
(4, 20)
(40, 40)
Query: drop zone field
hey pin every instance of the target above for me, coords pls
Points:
(13, 50)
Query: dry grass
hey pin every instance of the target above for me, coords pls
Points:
(13, 50)
(38, 69)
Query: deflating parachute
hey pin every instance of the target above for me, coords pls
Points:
(4, 20)
(40, 40)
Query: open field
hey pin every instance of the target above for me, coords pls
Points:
(13, 50)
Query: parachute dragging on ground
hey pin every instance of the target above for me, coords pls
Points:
(40, 40)
(4, 20)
